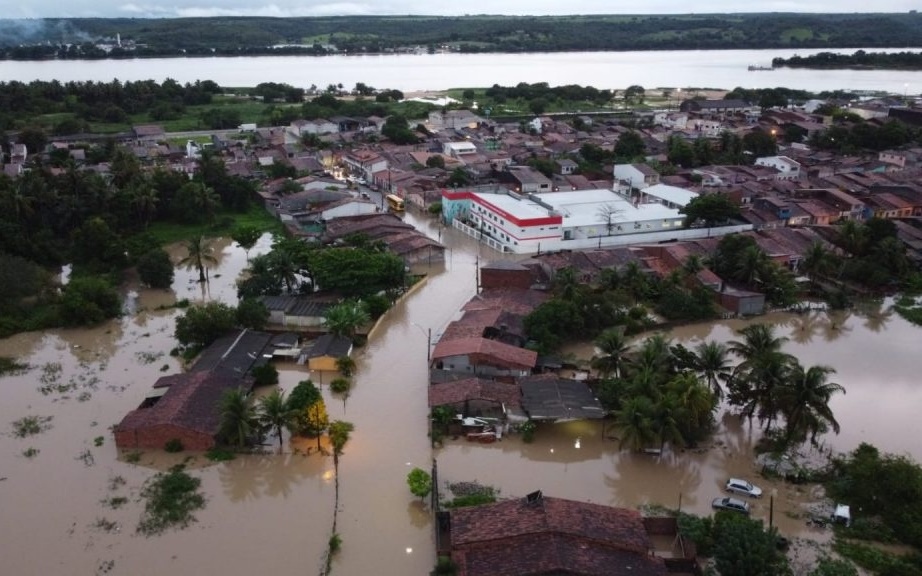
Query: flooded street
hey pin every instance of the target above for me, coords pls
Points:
(272, 513)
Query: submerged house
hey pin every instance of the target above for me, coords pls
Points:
(483, 357)
(186, 407)
(538, 535)
(324, 352)
(478, 397)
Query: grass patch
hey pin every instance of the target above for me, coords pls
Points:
(910, 309)
(31, 426)
(224, 223)
(10, 367)
(30, 452)
(878, 561)
(335, 543)
(98, 441)
(171, 498)
(133, 457)
(105, 525)
(219, 455)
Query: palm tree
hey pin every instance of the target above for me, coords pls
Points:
(284, 267)
(653, 355)
(206, 200)
(714, 365)
(611, 343)
(238, 418)
(696, 402)
(692, 265)
(853, 237)
(805, 402)
(817, 261)
(667, 418)
(758, 340)
(200, 252)
(751, 264)
(635, 423)
(566, 284)
(274, 412)
(343, 319)
(144, 199)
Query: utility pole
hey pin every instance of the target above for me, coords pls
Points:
(429, 345)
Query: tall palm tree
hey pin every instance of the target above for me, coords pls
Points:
(634, 423)
(667, 419)
(238, 418)
(274, 412)
(805, 402)
(713, 364)
(200, 252)
(758, 340)
(613, 347)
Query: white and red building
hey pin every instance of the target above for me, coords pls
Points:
(524, 224)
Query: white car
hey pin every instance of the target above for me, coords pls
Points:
(741, 486)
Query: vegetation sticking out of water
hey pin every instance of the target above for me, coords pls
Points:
(171, 498)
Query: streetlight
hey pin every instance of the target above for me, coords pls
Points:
(428, 333)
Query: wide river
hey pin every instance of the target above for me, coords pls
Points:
(409, 72)
(271, 513)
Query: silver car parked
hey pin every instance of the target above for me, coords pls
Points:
(740, 486)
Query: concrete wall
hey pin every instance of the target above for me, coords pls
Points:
(605, 241)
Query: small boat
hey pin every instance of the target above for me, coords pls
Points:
(753, 68)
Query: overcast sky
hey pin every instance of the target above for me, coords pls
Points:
(171, 8)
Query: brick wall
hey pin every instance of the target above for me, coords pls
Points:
(156, 437)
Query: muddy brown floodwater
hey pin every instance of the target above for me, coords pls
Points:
(271, 513)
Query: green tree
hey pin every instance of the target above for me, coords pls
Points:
(316, 420)
(252, 313)
(345, 318)
(709, 209)
(87, 301)
(635, 424)
(339, 435)
(817, 262)
(435, 161)
(239, 420)
(156, 269)
(304, 394)
(804, 401)
(458, 178)
(345, 365)
(614, 348)
(276, 413)
(203, 324)
(712, 362)
(834, 567)
(630, 145)
(420, 482)
(743, 548)
(246, 237)
(199, 252)
(538, 106)
(97, 248)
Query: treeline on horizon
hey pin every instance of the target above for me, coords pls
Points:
(374, 34)
(860, 59)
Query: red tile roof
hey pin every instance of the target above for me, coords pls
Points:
(475, 389)
(190, 402)
(551, 536)
(486, 351)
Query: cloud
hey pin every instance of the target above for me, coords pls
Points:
(276, 11)
(284, 8)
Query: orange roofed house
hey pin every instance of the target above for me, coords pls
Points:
(541, 535)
